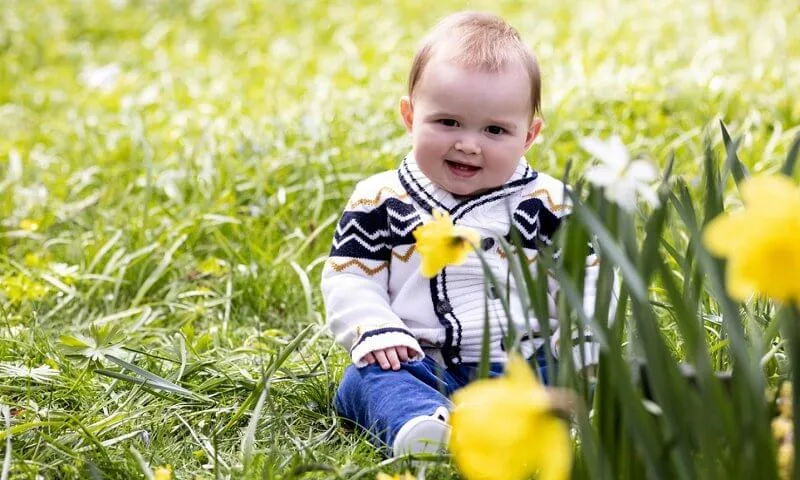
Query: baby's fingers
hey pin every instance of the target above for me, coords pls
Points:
(380, 356)
(402, 353)
(369, 358)
(391, 355)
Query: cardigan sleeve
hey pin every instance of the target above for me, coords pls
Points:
(355, 281)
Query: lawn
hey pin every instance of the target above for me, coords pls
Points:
(171, 173)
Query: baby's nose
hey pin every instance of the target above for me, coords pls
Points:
(468, 147)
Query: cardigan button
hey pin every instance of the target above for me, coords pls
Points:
(443, 307)
(487, 243)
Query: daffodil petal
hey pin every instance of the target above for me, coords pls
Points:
(724, 234)
(440, 243)
(737, 283)
(769, 191)
(622, 195)
(601, 175)
(642, 171)
(650, 195)
(556, 461)
(524, 436)
(612, 152)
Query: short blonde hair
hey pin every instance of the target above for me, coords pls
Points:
(481, 41)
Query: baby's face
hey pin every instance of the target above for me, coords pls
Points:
(469, 128)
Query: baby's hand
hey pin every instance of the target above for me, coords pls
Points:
(388, 357)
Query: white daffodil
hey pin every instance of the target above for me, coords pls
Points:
(43, 374)
(619, 177)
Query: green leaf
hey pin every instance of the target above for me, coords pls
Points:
(248, 440)
(611, 250)
(155, 381)
(791, 157)
(713, 185)
(732, 161)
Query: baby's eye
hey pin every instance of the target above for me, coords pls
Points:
(495, 130)
(448, 122)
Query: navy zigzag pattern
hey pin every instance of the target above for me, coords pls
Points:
(535, 223)
(372, 234)
(403, 219)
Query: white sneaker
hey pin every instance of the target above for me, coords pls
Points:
(424, 434)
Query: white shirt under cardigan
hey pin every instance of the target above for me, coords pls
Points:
(376, 297)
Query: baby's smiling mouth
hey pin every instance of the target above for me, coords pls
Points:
(462, 168)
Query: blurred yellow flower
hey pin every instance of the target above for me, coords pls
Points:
(762, 241)
(163, 473)
(505, 429)
(212, 266)
(19, 288)
(440, 243)
(29, 225)
(397, 476)
(33, 260)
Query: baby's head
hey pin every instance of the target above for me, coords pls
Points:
(472, 104)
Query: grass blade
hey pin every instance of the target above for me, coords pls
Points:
(281, 357)
(249, 439)
(732, 161)
(156, 381)
(7, 457)
(791, 157)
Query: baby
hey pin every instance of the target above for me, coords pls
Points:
(471, 111)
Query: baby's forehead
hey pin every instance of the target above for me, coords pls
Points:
(486, 59)
(454, 58)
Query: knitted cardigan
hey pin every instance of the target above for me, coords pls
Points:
(375, 296)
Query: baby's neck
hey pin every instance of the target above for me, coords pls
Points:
(462, 198)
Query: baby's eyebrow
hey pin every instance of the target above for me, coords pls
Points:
(441, 113)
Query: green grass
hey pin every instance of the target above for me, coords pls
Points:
(189, 202)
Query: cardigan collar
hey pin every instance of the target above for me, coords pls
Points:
(431, 196)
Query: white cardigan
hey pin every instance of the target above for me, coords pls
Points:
(375, 296)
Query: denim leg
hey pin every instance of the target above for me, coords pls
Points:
(541, 360)
(382, 401)
(465, 373)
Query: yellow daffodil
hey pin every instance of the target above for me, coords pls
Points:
(761, 242)
(440, 243)
(505, 429)
(29, 225)
(163, 473)
(398, 476)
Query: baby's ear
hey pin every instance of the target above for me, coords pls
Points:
(533, 132)
(407, 112)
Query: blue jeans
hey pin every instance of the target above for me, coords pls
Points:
(381, 401)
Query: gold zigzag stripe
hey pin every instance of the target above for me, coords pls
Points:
(404, 257)
(553, 205)
(374, 201)
(369, 271)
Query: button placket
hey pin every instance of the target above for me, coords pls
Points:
(443, 307)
